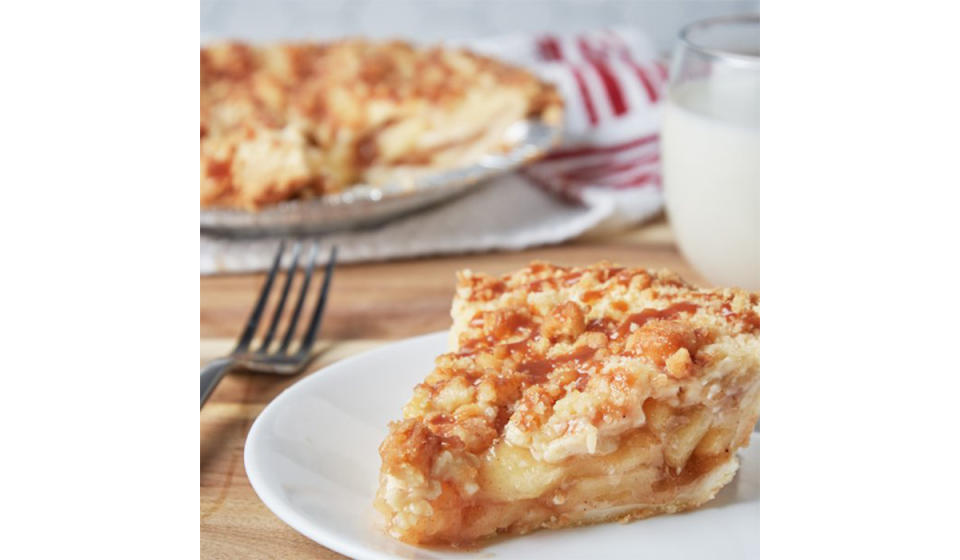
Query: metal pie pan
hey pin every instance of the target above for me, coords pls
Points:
(367, 206)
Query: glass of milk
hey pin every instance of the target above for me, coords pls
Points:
(711, 149)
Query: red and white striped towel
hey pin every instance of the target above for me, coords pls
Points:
(612, 81)
(606, 175)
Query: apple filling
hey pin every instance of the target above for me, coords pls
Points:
(677, 461)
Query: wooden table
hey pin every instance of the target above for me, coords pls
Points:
(370, 304)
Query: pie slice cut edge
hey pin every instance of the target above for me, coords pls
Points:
(572, 396)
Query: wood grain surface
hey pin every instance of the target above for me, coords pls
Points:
(370, 304)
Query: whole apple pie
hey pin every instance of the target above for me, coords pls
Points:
(294, 121)
(573, 396)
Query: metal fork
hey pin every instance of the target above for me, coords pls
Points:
(281, 361)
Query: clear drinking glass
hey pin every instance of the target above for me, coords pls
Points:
(711, 149)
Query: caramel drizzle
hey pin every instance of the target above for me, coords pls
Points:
(639, 319)
(538, 370)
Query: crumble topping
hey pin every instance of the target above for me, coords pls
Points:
(555, 359)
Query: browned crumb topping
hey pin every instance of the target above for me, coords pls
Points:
(527, 340)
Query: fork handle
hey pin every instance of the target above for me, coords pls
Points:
(210, 376)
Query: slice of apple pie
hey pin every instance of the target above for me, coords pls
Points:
(573, 396)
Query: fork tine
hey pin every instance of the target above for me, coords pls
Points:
(307, 275)
(291, 272)
(254, 319)
(311, 335)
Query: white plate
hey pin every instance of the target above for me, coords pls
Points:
(312, 458)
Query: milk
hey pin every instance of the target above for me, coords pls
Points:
(711, 173)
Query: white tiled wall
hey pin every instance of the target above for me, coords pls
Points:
(434, 20)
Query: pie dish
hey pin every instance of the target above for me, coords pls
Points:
(298, 121)
(573, 396)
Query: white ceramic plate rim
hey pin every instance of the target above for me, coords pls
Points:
(306, 527)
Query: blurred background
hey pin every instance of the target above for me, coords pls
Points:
(610, 67)
(439, 20)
